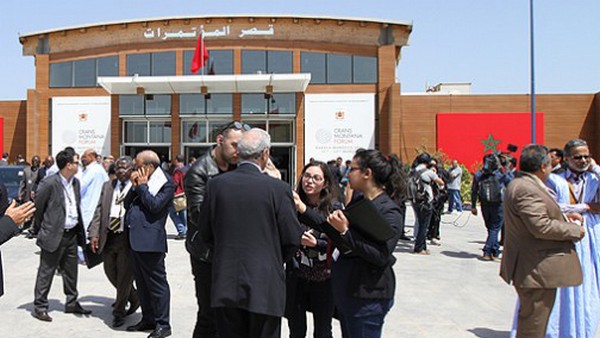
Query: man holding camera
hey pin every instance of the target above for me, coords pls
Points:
(488, 187)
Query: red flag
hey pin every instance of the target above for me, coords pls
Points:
(466, 137)
(200, 55)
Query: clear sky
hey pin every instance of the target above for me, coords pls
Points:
(485, 42)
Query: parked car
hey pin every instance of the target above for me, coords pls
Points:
(12, 176)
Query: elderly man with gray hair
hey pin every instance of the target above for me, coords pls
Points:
(250, 221)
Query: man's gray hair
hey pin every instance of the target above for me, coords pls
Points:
(572, 144)
(533, 157)
(253, 143)
(127, 159)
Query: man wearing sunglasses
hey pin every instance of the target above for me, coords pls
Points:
(222, 157)
(576, 311)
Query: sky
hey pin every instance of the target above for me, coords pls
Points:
(484, 42)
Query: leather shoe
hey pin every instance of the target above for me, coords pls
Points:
(77, 309)
(42, 315)
(132, 308)
(141, 326)
(160, 332)
(118, 321)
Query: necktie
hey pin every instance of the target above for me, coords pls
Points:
(115, 223)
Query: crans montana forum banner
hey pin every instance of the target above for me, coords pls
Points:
(82, 123)
(466, 137)
(338, 124)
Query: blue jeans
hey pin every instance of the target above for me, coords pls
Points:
(180, 219)
(454, 200)
(492, 215)
(362, 327)
(424, 211)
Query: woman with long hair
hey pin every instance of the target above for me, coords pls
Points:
(308, 282)
(362, 277)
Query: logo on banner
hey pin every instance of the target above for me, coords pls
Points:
(323, 135)
(83, 117)
(340, 115)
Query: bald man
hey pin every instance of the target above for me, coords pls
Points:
(147, 205)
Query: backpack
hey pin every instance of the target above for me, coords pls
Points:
(489, 189)
(416, 186)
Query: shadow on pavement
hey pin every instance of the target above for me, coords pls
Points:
(489, 333)
(460, 254)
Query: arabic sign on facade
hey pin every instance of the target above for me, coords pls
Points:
(82, 123)
(336, 125)
(164, 34)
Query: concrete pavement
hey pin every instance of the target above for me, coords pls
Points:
(450, 293)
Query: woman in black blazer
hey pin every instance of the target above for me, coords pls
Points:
(308, 273)
(362, 277)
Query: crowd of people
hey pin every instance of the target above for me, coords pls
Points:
(260, 251)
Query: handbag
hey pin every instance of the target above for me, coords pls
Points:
(180, 202)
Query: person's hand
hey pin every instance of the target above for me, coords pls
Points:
(338, 220)
(94, 244)
(300, 206)
(575, 217)
(474, 210)
(21, 213)
(308, 239)
(134, 178)
(143, 176)
(594, 207)
(592, 164)
(581, 232)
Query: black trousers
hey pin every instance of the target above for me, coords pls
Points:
(117, 268)
(206, 326)
(311, 296)
(153, 288)
(424, 212)
(238, 323)
(64, 257)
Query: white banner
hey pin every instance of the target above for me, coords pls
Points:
(338, 124)
(82, 123)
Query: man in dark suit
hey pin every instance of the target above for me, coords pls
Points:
(250, 220)
(147, 205)
(9, 224)
(539, 253)
(59, 227)
(108, 237)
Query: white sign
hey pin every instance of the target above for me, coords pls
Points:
(336, 125)
(82, 123)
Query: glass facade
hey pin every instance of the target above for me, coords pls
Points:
(82, 73)
(338, 68)
(192, 104)
(151, 64)
(144, 105)
(278, 103)
(266, 62)
(220, 62)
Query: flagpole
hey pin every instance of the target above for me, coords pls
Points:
(532, 65)
(202, 51)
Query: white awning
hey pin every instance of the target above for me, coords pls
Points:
(192, 84)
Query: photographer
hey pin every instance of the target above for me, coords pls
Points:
(488, 187)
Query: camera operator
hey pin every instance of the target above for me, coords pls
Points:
(488, 187)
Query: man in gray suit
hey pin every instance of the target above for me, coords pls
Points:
(539, 254)
(108, 237)
(59, 227)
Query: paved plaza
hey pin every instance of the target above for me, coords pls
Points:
(450, 293)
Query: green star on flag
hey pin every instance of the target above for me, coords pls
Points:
(490, 143)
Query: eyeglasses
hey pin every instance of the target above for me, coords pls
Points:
(316, 178)
(581, 157)
(354, 168)
(235, 125)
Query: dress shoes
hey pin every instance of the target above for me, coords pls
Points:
(42, 315)
(118, 321)
(487, 257)
(422, 252)
(77, 309)
(141, 326)
(132, 308)
(160, 332)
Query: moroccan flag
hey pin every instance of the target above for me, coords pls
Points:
(193, 132)
(200, 55)
(466, 137)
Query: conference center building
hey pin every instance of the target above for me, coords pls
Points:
(321, 86)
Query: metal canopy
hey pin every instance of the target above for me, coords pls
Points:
(193, 84)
